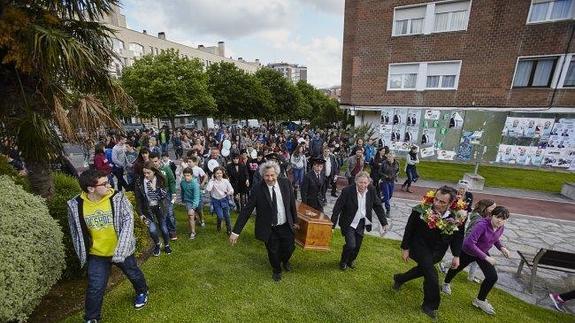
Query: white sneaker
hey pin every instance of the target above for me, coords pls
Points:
(443, 268)
(203, 224)
(485, 306)
(192, 236)
(446, 288)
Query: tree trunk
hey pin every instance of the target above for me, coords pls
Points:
(173, 122)
(40, 177)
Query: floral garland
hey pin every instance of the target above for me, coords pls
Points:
(434, 220)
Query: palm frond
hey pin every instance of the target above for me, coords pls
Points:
(78, 9)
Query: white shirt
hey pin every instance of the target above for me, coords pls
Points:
(280, 203)
(361, 210)
(327, 166)
(153, 183)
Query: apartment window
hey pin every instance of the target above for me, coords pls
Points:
(403, 76)
(535, 72)
(550, 10)
(570, 75)
(451, 16)
(137, 49)
(117, 45)
(442, 75)
(408, 21)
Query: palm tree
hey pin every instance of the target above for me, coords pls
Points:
(54, 80)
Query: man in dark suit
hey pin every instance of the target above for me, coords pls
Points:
(240, 180)
(427, 247)
(276, 217)
(330, 171)
(313, 183)
(355, 205)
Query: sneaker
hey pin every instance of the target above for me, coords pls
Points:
(192, 236)
(484, 305)
(157, 250)
(141, 300)
(444, 269)
(396, 285)
(168, 249)
(557, 301)
(429, 312)
(203, 224)
(446, 288)
(173, 236)
(92, 321)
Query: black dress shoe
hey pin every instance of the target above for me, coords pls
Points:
(351, 265)
(287, 267)
(343, 266)
(396, 283)
(429, 312)
(277, 277)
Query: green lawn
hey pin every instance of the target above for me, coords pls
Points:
(206, 280)
(496, 176)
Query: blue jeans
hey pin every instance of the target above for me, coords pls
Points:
(170, 218)
(164, 147)
(298, 176)
(157, 218)
(222, 209)
(387, 192)
(98, 273)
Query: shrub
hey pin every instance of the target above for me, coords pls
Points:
(32, 253)
(7, 169)
(65, 188)
(143, 240)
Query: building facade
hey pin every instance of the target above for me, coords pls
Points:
(467, 57)
(130, 44)
(292, 72)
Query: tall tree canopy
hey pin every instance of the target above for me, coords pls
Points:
(286, 99)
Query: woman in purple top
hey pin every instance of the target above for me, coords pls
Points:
(485, 234)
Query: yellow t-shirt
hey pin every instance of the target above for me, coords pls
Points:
(100, 222)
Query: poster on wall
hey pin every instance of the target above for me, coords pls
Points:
(455, 120)
(399, 117)
(386, 115)
(400, 146)
(397, 133)
(432, 114)
(413, 118)
(560, 158)
(562, 135)
(527, 127)
(428, 137)
(505, 154)
(445, 155)
(385, 134)
(427, 152)
(411, 134)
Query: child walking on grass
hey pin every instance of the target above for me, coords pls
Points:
(191, 198)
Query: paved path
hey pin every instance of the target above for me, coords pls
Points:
(523, 233)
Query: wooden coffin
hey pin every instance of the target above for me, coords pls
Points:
(314, 231)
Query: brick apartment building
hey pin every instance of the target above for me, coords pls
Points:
(475, 55)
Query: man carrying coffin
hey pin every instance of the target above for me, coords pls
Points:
(355, 205)
(276, 220)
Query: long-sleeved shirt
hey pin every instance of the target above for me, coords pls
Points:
(119, 156)
(482, 238)
(219, 188)
(190, 192)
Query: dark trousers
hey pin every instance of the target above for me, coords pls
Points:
(119, 173)
(157, 222)
(488, 271)
(387, 188)
(280, 246)
(329, 182)
(353, 239)
(426, 260)
(568, 296)
(98, 273)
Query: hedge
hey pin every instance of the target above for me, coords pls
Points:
(32, 252)
(7, 169)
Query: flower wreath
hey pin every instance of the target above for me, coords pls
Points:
(434, 220)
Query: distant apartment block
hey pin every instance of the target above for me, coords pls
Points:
(292, 72)
(130, 44)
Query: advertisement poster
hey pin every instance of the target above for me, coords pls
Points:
(445, 155)
(411, 134)
(427, 152)
(560, 158)
(527, 127)
(455, 120)
(397, 133)
(413, 118)
(400, 146)
(399, 117)
(563, 135)
(524, 155)
(432, 114)
(428, 137)
(505, 154)
(385, 134)
(386, 115)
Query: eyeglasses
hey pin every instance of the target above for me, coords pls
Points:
(106, 183)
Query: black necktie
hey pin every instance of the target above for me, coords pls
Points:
(274, 207)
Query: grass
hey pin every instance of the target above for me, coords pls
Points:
(207, 280)
(497, 176)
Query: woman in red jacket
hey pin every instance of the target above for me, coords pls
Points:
(100, 160)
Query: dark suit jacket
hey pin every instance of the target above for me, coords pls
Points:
(238, 177)
(312, 188)
(261, 200)
(419, 238)
(346, 206)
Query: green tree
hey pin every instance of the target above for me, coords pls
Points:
(54, 60)
(168, 84)
(286, 99)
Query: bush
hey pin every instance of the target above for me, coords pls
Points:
(143, 240)
(65, 188)
(7, 169)
(32, 253)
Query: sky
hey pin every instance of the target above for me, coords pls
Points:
(303, 32)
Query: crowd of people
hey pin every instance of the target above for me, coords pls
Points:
(264, 170)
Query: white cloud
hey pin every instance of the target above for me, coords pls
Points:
(329, 6)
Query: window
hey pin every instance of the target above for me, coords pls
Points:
(403, 76)
(442, 75)
(570, 75)
(408, 21)
(550, 10)
(137, 49)
(451, 16)
(535, 72)
(117, 45)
